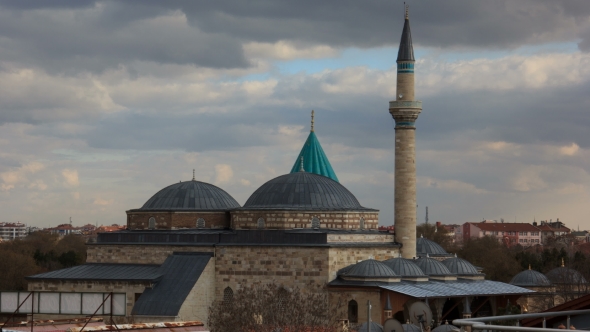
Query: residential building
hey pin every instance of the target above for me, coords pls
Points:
(11, 231)
(508, 233)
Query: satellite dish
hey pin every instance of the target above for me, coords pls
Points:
(419, 314)
(393, 325)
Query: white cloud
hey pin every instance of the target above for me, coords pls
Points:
(284, 50)
(223, 173)
(20, 175)
(71, 177)
(102, 202)
(569, 150)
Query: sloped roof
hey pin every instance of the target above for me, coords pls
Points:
(505, 227)
(436, 289)
(314, 159)
(180, 273)
(104, 272)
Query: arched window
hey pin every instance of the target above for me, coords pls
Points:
(152, 223)
(353, 311)
(228, 296)
(283, 298)
(315, 222)
(362, 223)
(260, 223)
(200, 223)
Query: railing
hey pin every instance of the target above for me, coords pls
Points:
(405, 104)
(480, 323)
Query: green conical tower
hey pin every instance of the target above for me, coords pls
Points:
(313, 156)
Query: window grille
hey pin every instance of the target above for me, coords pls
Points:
(152, 223)
(200, 223)
(260, 223)
(315, 222)
(228, 296)
(362, 223)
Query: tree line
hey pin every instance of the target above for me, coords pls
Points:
(37, 253)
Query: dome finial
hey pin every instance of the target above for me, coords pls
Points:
(312, 120)
(407, 11)
(301, 169)
(529, 266)
(193, 174)
(562, 262)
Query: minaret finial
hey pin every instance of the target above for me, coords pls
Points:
(193, 174)
(407, 11)
(301, 169)
(312, 120)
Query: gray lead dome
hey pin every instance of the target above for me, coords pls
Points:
(303, 191)
(425, 246)
(530, 278)
(404, 267)
(432, 267)
(368, 268)
(460, 266)
(191, 195)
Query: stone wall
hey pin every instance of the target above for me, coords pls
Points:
(129, 288)
(340, 257)
(197, 303)
(239, 266)
(365, 238)
(405, 190)
(136, 254)
(177, 219)
(248, 219)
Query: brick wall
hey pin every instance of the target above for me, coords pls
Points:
(177, 219)
(248, 219)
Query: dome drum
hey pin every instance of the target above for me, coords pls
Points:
(281, 219)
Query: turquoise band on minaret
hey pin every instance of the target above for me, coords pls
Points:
(405, 67)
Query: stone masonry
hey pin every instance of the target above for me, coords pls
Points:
(177, 219)
(277, 219)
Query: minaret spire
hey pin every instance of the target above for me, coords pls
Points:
(405, 110)
(407, 11)
(312, 120)
(193, 174)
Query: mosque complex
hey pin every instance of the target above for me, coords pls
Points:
(192, 244)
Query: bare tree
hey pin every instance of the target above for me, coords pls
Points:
(275, 308)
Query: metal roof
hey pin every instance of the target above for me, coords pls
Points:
(101, 271)
(411, 328)
(460, 266)
(191, 195)
(374, 327)
(303, 191)
(530, 278)
(406, 49)
(434, 289)
(446, 327)
(404, 267)
(314, 159)
(180, 273)
(432, 267)
(368, 268)
(425, 246)
(565, 275)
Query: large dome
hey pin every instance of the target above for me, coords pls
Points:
(530, 278)
(303, 191)
(191, 195)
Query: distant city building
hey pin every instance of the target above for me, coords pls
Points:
(552, 229)
(508, 233)
(65, 229)
(454, 231)
(11, 231)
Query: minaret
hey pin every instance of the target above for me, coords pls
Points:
(405, 111)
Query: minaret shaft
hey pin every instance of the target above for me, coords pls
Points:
(405, 110)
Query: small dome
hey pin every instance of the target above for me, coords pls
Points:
(565, 275)
(425, 246)
(191, 195)
(446, 327)
(404, 267)
(460, 266)
(368, 268)
(432, 267)
(411, 328)
(530, 278)
(303, 191)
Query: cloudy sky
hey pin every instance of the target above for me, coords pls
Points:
(103, 103)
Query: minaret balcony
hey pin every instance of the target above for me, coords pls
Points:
(405, 104)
